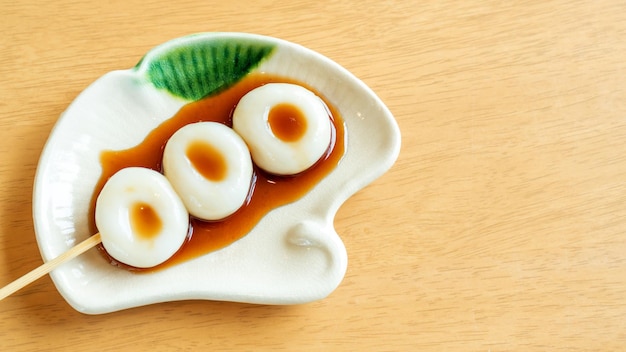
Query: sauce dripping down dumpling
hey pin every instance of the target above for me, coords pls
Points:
(286, 126)
(210, 167)
(141, 219)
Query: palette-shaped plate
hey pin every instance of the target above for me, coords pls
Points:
(293, 255)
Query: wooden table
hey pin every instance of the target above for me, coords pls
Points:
(501, 227)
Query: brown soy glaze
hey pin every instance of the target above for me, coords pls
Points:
(287, 122)
(266, 193)
(145, 221)
(207, 160)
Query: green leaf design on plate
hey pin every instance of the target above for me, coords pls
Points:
(198, 69)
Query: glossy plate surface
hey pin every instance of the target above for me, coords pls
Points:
(292, 256)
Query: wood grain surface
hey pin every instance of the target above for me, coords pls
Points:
(502, 226)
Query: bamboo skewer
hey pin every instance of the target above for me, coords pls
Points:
(47, 267)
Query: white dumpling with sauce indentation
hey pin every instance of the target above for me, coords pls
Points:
(286, 126)
(141, 219)
(210, 167)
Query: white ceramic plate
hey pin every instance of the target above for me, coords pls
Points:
(293, 255)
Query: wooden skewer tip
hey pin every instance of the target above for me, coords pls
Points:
(48, 266)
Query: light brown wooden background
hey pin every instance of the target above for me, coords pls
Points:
(501, 227)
